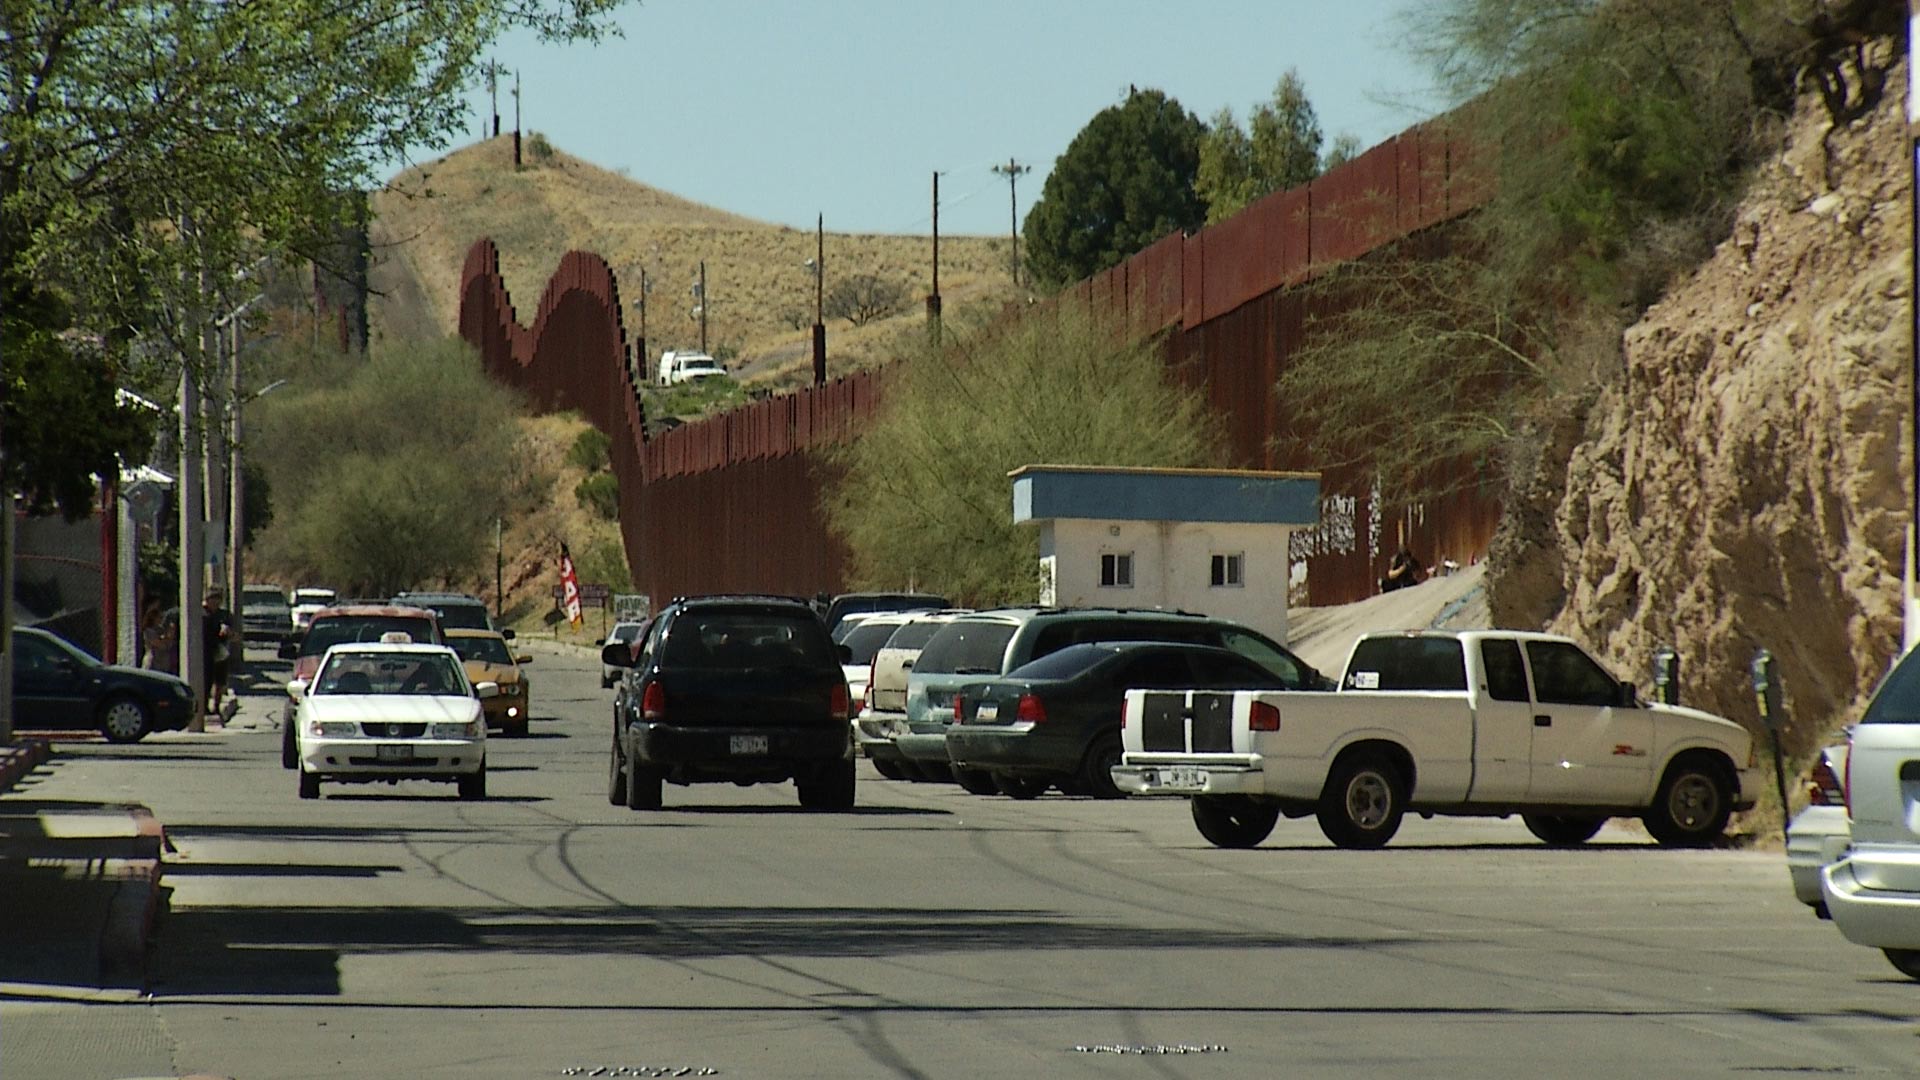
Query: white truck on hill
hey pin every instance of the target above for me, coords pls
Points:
(1479, 723)
(681, 367)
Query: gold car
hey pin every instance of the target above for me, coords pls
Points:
(488, 659)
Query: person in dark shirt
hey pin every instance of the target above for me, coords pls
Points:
(219, 642)
(1403, 571)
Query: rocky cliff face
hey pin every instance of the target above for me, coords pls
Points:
(1747, 483)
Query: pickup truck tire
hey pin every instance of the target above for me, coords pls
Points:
(831, 787)
(1363, 802)
(1096, 771)
(1233, 821)
(289, 750)
(1560, 830)
(309, 785)
(1692, 806)
(1906, 960)
(1020, 787)
(976, 781)
(643, 787)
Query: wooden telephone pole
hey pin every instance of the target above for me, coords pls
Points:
(933, 299)
(1012, 170)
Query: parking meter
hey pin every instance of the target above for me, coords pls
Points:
(1766, 695)
(1666, 676)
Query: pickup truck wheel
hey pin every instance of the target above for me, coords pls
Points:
(1907, 960)
(1020, 787)
(289, 749)
(1096, 774)
(1233, 821)
(1559, 830)
(830, 787)
(643, 787)
(976, 781)
(1692, 806)
(1363, 802)
(889, 769)
(474, 784)
(309, 785)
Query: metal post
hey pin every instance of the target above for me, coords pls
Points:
(820, 301)
(192, 544)
(236, 509)
(933, 299)
(499, 569)
(703, 305)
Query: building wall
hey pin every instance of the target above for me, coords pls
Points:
(1172, 568)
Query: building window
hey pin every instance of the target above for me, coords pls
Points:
(1229, 571)
(1116, 571)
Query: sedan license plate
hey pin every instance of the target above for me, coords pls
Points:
(393, 752)
(988, 711)
(1181, 778)
(746, 744)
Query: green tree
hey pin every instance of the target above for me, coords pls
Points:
(1279, 149)
(150, 151)
(1126, 180)
(923, 495)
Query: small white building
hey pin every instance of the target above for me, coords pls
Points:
(1211, 541)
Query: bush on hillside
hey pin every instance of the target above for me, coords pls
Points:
(600, 493)
(389, 471)
(923, 496)
(589, 450)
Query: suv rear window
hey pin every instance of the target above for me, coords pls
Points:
(341, 629)
(866, 639)
(1898, 699)
(1407, 663)
(966, 647)
(913, 635)
(747, 639)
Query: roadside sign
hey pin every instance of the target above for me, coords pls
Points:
(632, 607)
(590, 595)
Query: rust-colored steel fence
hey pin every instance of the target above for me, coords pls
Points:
(733, 502)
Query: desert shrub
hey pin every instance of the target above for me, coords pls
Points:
(923, 494)
(589, 450)
(862, 298)
(600, 493)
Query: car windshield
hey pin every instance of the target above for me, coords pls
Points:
(966, 647)
(254, 597)
(460, 616)
(866, 639)
(747, 639)
(430, 674)
(348, 629)
(1064, 664)
(481, 650)
(1898, 699)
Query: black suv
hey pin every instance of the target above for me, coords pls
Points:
(731, 688)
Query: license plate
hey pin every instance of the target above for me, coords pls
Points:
(988, 710)
(1181, 779)
(393, 753)
(746, 744)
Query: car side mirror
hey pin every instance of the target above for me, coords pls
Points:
(846, 653)
(1629, 695)
(523, 659)
(486, 690)
(507, 633)
(297, 689)
(289, 650)
(617, 655)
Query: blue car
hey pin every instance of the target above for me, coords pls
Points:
(57, 685)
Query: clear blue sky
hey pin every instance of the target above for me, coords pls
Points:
(778, 109)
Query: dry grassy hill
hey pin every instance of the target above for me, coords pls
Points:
(760, 293)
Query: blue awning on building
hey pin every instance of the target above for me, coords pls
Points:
(1225, 496)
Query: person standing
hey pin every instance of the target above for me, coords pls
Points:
(217, 626)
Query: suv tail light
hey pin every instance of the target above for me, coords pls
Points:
(959, 709)
(1846, 789)
(1031, 710)
(1124, 705)
(1823, 788)
(839, 702)
(1263, 717)
(653, 702)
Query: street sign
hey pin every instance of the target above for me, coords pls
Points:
(632, 607)
(590, 595)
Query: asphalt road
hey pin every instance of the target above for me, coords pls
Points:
(395, 931)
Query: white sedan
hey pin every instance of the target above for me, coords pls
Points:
(1873, 894)
(389, 712)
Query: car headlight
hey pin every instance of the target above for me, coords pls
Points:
(457, 731)
(334, 729)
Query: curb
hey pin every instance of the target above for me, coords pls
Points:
(21, 758)
(126, 935)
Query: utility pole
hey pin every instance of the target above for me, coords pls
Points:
(933, 299)
(493, 92)
(820, 302)
(701, 292)
(645, 286)
(499, 567)
(236, 496)
(1012, 170)
(192, 529)
(516, 118)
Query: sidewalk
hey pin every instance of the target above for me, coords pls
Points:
(82, 888)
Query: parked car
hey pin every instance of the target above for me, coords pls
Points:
(391, 711)
(850, 603)
(486, 657)
(1057, 719)
(746, 690)
(884, 716)
(344, 625)
(456, 610)
(56, 685)
(1873, 893)
(862, 643)
(309, 600)
(993, 643)
(1819, 834)
(623, 633)
(265, 614)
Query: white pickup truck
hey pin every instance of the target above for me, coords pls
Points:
(1483, 723)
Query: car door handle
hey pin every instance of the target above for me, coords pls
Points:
(1542, 720)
